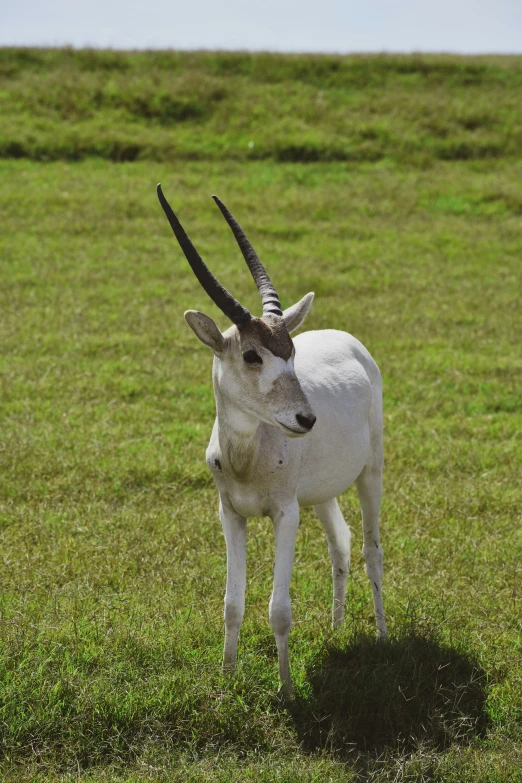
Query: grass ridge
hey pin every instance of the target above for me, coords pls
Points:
(174, 106)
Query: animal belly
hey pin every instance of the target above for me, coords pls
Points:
(326, 476)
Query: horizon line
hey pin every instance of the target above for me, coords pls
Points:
(289, 52)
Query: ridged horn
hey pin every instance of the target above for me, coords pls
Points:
(219, 295)
(269, 297)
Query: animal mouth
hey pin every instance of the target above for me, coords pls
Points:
(292, 431)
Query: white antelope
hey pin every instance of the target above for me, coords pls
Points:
(297, 422)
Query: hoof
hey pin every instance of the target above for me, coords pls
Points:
(286, 691)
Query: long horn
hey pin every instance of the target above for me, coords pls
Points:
(269, 297)
(219, 295)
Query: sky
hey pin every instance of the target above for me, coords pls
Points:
(465, 26)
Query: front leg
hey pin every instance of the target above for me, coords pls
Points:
(234, 528)
(286, 522)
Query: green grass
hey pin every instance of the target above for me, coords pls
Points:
(113, 563)
(63, 104)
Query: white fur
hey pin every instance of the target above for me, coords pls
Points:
(261, 469)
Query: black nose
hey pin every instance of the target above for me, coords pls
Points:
(306, 421)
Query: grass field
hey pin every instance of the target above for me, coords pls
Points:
(113, 559)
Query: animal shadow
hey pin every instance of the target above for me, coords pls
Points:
(395, 693)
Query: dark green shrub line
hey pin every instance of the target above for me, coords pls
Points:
(121, 150)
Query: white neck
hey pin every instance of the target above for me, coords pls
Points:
(238, 434)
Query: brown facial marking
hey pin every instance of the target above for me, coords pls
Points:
(271, 332)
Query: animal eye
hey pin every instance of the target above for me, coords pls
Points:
(251, 357)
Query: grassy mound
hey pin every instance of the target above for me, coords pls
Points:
(65, 104)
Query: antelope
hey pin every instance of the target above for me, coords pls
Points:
(297, 422)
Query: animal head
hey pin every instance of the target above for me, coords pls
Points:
(254, 358)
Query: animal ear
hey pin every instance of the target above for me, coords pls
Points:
(205, 330)
(295, 315)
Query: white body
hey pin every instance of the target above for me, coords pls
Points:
(261, 471)
(343, 386)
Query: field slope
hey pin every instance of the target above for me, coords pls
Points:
(391, 187)
(65, 104)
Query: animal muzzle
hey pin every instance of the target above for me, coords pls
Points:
(298, 418)
(297, 424)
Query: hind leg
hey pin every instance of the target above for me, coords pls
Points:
(338, 535)
(369, 488)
